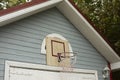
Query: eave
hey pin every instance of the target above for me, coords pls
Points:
(21, 6)
(25, 12)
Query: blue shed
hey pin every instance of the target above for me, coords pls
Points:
(22, 35)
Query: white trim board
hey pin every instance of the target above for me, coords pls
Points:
(115, 66)
(13, 64)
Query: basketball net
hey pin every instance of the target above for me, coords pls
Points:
(67, 66)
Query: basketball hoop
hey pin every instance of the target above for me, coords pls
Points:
(72, 56)
(67, 61)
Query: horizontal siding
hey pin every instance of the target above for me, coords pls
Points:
(10, 45)
(65, 34)
(1, 66)
(1, 77)
(1, 73)
(22, 58)
(21, 41)
(20, 53)
(1, 62)
(19, 37)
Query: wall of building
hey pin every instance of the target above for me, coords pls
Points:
(21, 41)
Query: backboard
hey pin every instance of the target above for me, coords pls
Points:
(53, 47)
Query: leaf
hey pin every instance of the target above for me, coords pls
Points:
(105, 16)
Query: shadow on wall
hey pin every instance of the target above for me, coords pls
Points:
(116, 75)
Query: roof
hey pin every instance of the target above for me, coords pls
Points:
(19, 7)
(75, 18)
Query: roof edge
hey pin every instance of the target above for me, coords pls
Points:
(88, 31)
(21, 6)
(14, 16)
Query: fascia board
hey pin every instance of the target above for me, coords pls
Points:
(88, 31)
(14, 16)
(115, 66)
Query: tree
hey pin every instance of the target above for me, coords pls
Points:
(105, 16)
(5, 4)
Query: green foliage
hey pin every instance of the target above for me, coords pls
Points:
(105, 15)
(4, 4)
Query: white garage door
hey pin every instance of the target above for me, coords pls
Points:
(27, 71)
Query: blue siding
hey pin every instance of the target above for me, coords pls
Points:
(21, 41)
